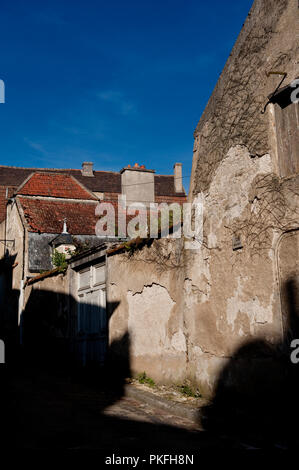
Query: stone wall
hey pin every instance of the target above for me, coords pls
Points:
(233, 296)
(146, 288)
(234, 113)
(45, 320)
(192, 321)
(15, 243)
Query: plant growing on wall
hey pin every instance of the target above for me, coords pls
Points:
(144, 379)
(80, 247)
(59, 260)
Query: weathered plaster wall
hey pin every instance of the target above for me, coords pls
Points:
(45, 320)
(233, 297)
(190, 321)
(56, 284)
(188, 311)
(15, 243)
(233, 115)
(148, 299)
(288, 267)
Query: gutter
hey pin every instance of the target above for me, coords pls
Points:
(39, 277)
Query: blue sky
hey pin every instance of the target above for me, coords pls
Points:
(113, 82)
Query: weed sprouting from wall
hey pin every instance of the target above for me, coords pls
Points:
(59, 260)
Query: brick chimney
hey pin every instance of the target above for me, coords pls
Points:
(178, 183)
(87, 169)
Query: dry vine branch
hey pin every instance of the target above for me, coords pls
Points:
(274, 207)
(160, 254)
(234, 114)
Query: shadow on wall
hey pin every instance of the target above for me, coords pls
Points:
(44, 376)
(53, 341)
(47, 401)
(256, 396)
(9, 299)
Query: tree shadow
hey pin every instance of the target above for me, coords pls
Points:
(256, 395)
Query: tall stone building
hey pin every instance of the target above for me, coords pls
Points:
(243, 284)
(195, 314)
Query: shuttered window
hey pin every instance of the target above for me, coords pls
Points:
(84, 279)
(92, 300)
(99, 274)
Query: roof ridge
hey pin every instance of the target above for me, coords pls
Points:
(54, 169)
(66, 169)
(159, 174)
(57, 199)
(64, 182)
(34, 168)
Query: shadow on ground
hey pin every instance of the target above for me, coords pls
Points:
(84, 411)
(49, 400)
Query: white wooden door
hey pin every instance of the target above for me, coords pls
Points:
(92, 319)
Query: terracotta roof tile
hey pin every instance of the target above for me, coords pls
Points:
(2, 203)
(54, 185)
(46, 216)
(164, 186)
(102, 181)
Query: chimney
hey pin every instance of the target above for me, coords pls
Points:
(87, 169)
(178, 184)
(138, 184)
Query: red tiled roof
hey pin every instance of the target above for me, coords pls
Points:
(102, 181)
(46, 216)
(164, 186)
(54, 185)
(2, 203)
